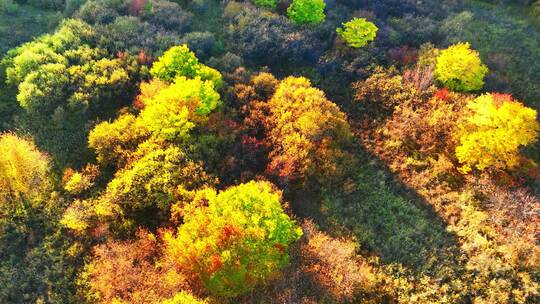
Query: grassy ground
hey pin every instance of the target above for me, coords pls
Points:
(23, 24)
(509, 41)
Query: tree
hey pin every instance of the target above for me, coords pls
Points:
(460, 68)
(176, 61)
(307, 11)
(63, 81)
(180, 61)
(24, 176)
(32, 249)
(155, 181)
(307, 133)
(358, 32)
(492, 130)
(114, 142)
(233, 240)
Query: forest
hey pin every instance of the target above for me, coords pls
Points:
(269, 151)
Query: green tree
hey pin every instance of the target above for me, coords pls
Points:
(307, 11)
(266, 3)
(156, 180)
(63, 81)
(233, 240)
(181, 61)
(459, 68)
(358, 32)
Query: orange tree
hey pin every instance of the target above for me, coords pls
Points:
(306, 132)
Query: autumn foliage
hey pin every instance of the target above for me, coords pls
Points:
(460, 68)
(492, 130)
(307, 132)
(233, 240)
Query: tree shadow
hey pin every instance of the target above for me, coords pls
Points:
(388, 219)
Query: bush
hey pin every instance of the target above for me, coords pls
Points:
(184, 298)
(125, 272)
(271, 39)
(385, 88)
(202, 43)
(266, 3)
(129, 34)
(24, 175)
(358, 32)
(96, 12)
(460, 68)
(307, 11)
(47, 4)
(72, 6)
(167, 15)
(8, 7)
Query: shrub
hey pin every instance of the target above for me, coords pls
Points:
(168, 15)
(492, 130)
(267, 39)
(47, 4)
(184, 298)
(358, 32)
(202, 43)
(460, 68)
(266, 3)
(386, 88)
(96, 12)
(8, 7)
(307, 11)
(233, 240)
(335, 266)
(125, 272)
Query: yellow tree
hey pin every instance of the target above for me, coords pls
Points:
(459, 68)
(24, 175)
(492, 130)
(307, 132)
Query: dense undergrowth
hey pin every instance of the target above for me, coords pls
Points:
(269, 151)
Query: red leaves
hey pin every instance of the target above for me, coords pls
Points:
(215, 264)
(442, 94)
(280, 247)
(143, 58)
(136, 6)
(404, 54)
(500, 98)
(229, 232)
